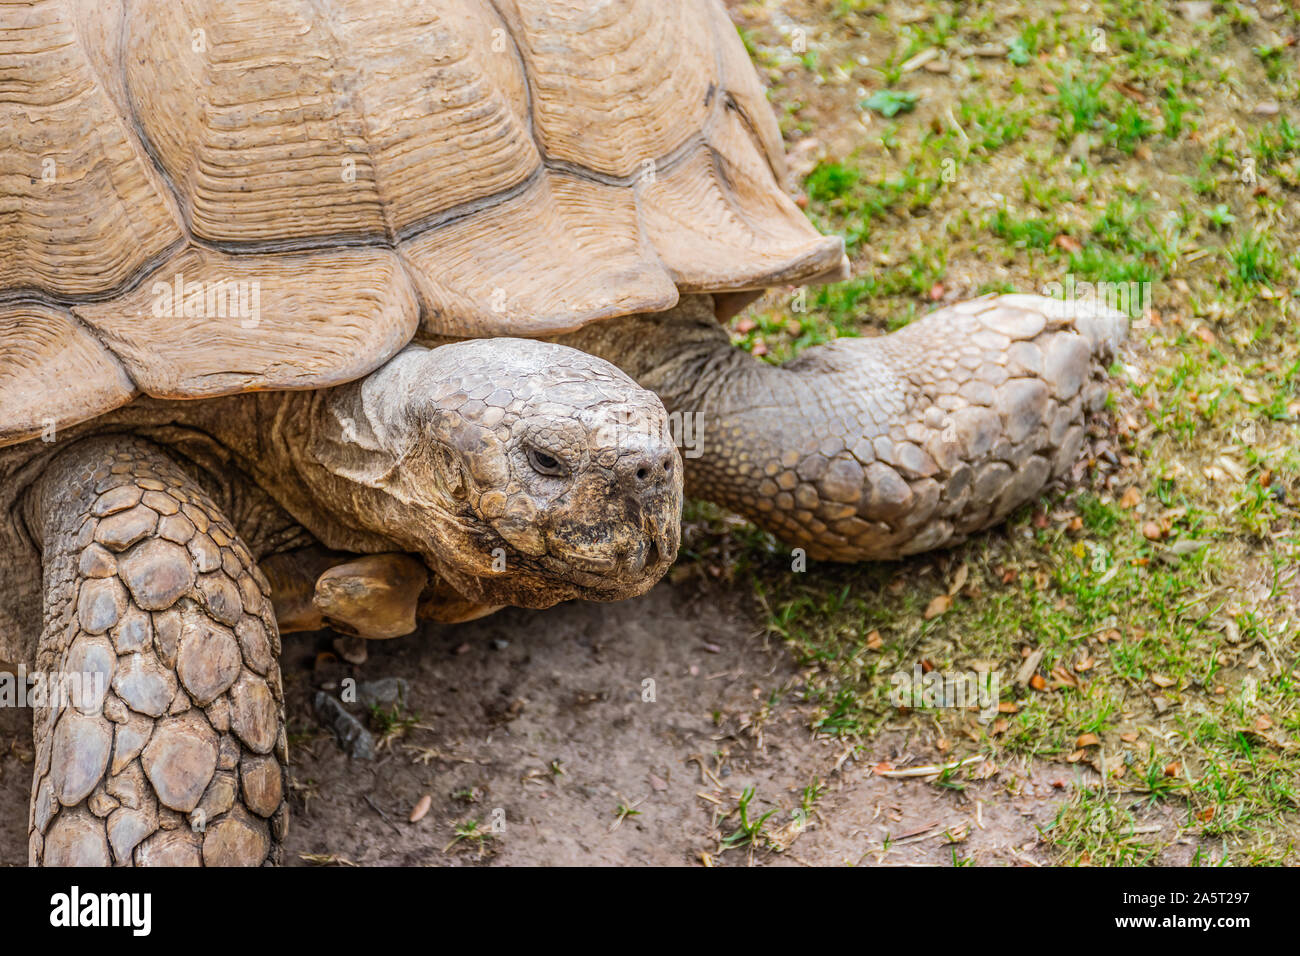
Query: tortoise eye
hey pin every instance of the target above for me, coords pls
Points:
(545, 464)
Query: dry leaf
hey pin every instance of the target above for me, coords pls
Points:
(920, 60)
(958, 834)
(1088, 740)
(959, 579)
(938, 606)
(421, 808)
(1063, 678)
(1132, 92)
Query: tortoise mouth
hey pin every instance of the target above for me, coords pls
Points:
(632, 570)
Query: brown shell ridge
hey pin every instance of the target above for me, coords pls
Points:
(220, 324)
(662, 164)
(57, 372)
(769, 146)
(733, 104)
(154, 264)
(391, 230)
(101, 178)
(510, 29)
(486, 230)
(724, 92)
(29, 295)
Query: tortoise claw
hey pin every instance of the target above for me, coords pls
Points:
(374, 596)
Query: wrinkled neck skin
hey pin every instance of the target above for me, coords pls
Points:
(345, 463)
(688, 361)
(356, 453)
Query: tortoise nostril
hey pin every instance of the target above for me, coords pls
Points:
(645, 470)
(649, 472)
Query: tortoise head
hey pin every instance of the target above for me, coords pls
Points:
(523, 472)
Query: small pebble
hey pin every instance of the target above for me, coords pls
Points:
(350, 732)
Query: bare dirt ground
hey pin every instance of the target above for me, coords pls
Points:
(540, 715)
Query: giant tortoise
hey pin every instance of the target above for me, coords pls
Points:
(355, 312)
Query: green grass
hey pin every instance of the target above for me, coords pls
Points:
(1167, 630)
(1254, 259)
(891, 102)
(749, 832)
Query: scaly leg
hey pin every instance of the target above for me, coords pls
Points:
(174, 752)
(871, 448)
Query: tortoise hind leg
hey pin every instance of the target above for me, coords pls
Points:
(169, 746)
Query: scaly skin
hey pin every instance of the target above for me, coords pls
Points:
(874, 448)
(182, 760)
(518, 471)
(865, 448)
(434, 454)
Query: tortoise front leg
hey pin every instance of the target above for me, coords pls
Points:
(872, 448)
(375, 596)
(174, 752)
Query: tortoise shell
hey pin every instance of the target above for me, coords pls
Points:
(202, 197)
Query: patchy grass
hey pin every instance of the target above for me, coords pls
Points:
(1156, 599)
